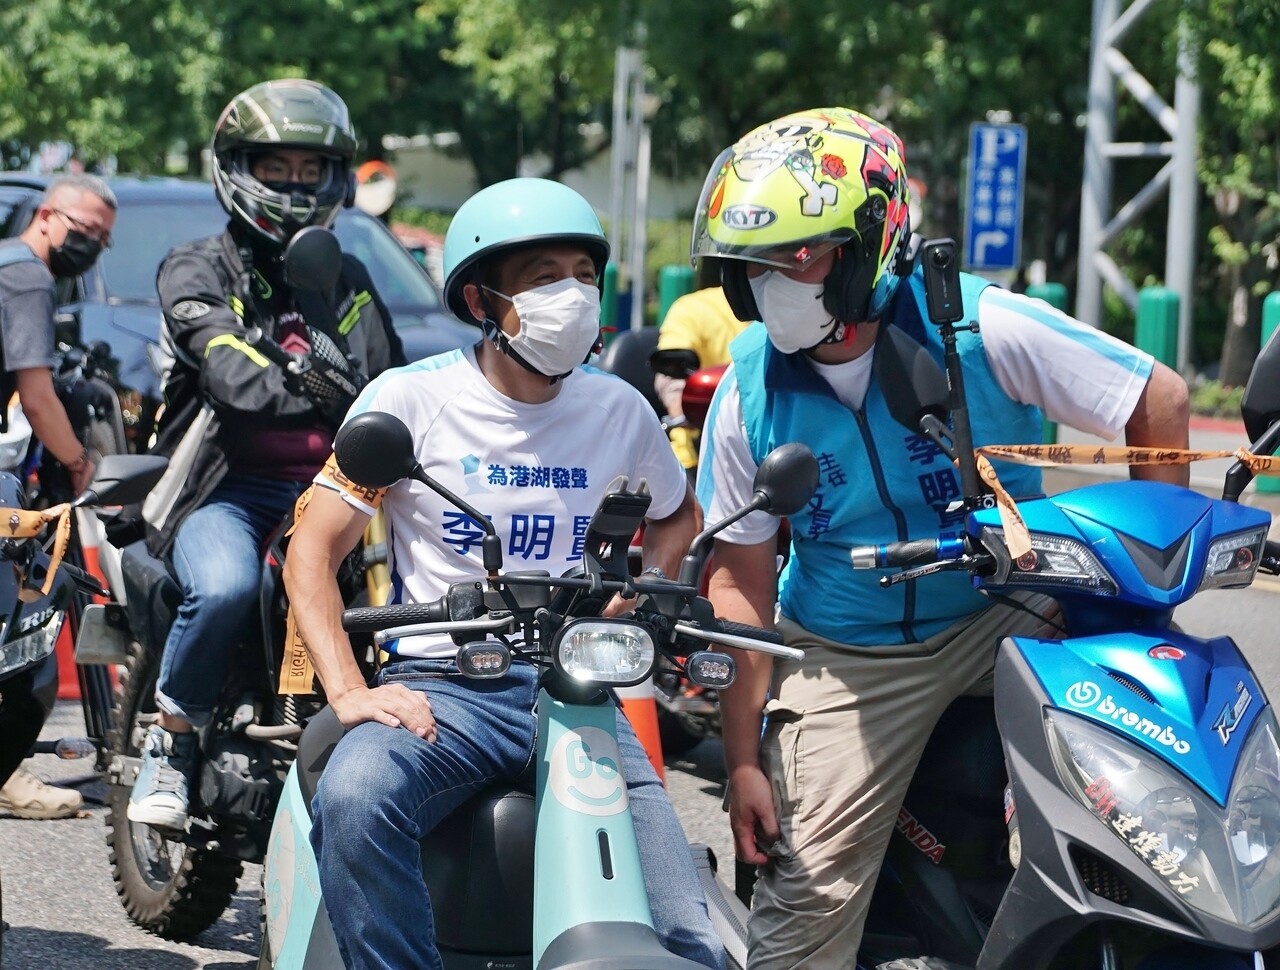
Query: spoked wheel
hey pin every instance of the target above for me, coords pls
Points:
(168, 888)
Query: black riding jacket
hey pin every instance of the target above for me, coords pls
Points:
(219, 385)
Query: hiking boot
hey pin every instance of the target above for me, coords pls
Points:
(159, 795)
(26, 796)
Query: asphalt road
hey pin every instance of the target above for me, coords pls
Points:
(60, 901)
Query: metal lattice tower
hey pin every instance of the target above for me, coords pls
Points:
(1110, 70)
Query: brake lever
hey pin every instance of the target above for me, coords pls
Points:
(973, 564)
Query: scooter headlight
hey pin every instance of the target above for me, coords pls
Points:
(1224, 862)
(1054, 561)
(611, 652)
(1233, 560)
(30, 647)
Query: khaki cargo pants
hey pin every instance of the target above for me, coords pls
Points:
(846, 728)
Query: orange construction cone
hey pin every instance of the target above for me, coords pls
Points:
(642, 711)
(91, 532)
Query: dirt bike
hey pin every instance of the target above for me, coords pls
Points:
(177, 884)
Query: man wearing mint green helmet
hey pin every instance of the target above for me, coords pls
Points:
(533, 440)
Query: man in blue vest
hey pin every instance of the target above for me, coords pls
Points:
(807, 216)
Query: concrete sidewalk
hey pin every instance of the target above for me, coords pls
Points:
(1206, 476)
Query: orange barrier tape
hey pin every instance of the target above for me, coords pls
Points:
(27, 524)
(1045, 455)
(1016, 536)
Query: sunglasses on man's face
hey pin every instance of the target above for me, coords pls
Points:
(80, 226)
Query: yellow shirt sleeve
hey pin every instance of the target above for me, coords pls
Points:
(702, 322)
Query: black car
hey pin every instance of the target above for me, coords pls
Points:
(116, 301)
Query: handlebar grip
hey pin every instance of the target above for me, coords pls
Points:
(1270, 562)
(747, 630)
(367, 619)
(910, 552)
(257, 338)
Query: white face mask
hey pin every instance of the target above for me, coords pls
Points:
(559, 324)
(791, 311)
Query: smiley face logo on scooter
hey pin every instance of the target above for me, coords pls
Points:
(583, 772)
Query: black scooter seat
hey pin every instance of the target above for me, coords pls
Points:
(482, 853)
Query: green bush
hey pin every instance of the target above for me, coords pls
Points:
(1216, 400)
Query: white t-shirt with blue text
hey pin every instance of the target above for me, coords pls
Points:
(537, 471)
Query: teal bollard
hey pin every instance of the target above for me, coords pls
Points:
(1156, 331)
(1054, 294)
(673, 283)
(609, 301)
(1270, 321)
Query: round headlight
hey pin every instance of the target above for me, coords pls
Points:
(1254, 824)
(1171, 814)
(611, 652)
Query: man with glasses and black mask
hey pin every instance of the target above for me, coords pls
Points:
(244, 437)
(72, 225)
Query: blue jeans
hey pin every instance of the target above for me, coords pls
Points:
(217, 556)
(384, 788)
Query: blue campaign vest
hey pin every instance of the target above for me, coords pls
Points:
(879, 483)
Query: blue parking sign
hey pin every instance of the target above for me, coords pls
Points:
(993, 196)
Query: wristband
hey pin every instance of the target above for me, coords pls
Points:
(653, 571)
(80, 461)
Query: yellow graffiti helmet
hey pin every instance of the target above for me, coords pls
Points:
(792, 190)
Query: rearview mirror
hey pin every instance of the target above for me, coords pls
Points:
(1260, 405)
(313, 260)
(375, 450)
(676, 363)
(787, 478)
(123, 479)
(911, 381)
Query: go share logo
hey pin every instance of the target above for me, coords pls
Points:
(584, 775)
(1086, 695)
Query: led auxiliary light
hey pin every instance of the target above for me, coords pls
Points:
(484, 659)
(710, 668)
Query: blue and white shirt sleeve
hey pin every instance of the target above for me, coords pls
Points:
(1077, 375)
(727, 470)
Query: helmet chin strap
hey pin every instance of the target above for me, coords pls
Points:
(841, 333)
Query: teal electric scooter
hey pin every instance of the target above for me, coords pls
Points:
(549, 879)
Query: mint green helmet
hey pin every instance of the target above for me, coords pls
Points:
(513, 215)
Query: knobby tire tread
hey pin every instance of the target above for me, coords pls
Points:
(205, 881)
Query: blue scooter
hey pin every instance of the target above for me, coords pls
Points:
(559, 869)
(1140, 825)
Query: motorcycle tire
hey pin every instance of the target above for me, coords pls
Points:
(168, 888)
(677, 737)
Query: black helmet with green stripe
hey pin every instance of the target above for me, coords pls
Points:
(291, 113)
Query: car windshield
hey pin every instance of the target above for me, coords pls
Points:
(145, 232)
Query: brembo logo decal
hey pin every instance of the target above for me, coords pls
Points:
(1086, 695)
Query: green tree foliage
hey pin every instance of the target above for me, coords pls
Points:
(1240, 161)
(520, 78)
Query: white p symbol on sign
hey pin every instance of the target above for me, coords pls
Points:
(997, 141)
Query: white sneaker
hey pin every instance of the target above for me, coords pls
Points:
(159, 796)
(26, 796)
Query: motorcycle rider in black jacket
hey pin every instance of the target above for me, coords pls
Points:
(243, 435)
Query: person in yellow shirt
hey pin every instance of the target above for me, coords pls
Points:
(700, 321)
